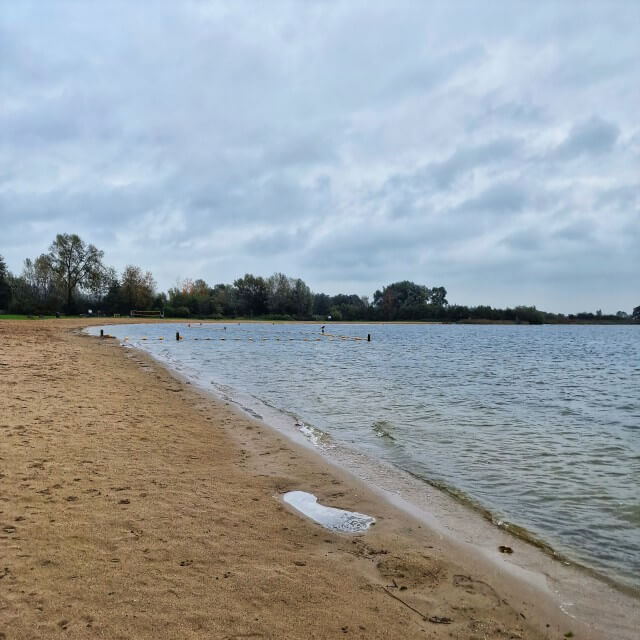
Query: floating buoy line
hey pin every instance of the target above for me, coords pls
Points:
(316, 338)
(261, 339)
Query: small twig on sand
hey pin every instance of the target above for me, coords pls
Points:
(432, 619)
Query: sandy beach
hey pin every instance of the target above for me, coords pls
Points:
(134, 506)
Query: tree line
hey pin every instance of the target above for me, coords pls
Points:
(72, 278)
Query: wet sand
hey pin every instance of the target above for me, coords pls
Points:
(134, 506)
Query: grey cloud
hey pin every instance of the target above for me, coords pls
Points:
(430, 71)
(578, 232)
(363, 247)
(596, 67)
(441, 175)
(275, 198)
(277, 242)
(467, 158)
(309, 148)
(501, 198)
(594, 136)
(524, 240)
(355, 142)
(624, 197)
(552, 242)
(496, 110)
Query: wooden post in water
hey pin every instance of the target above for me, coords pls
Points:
(368, 337)
(177, 335)
(102, 333)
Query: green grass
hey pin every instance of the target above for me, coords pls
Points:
(17, 316)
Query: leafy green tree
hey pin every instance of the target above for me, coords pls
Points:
(43, 285)
(321, 304)
(636, 313)
(193, 295)
(335, 314)
(389, 303)
(137, 289)
(279, 294)
(75, 263)
(483, 312)
(23, 298)
(397, 295)
(5, 288)
(102, 284)
(112, 300)
(252, 295)
(438, 297)
(201, 298)
(224, 300)
(201, 289)
(528, 314)
(349, 307)
(301, 299)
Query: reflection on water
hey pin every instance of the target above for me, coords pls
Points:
(539, 425)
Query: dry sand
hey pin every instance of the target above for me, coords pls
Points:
(133, 506)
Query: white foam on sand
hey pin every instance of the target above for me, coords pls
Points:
(329, 517)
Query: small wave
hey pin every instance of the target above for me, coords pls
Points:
(316, 436)
(251, 412)
(383, 429)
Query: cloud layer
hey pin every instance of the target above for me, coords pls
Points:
(495, 151)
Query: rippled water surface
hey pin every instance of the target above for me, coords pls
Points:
(539, 425)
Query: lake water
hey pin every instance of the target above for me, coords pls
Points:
(538, 425)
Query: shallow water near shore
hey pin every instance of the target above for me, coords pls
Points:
(538, 426)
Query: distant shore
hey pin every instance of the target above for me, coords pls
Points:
(195, 320)
(135, 505)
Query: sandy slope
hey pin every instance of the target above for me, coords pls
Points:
(132, 506)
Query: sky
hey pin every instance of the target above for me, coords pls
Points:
(492, 148)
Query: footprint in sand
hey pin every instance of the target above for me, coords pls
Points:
(477, 588)
(410, 572)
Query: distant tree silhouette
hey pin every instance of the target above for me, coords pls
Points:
(5, 288)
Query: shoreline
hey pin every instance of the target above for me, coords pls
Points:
(468, 528)
(279, 419)
(224, 475)
(357, 465)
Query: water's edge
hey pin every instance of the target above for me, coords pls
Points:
(322, 442)
(573, 586)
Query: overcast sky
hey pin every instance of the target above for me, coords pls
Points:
(492, 148)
